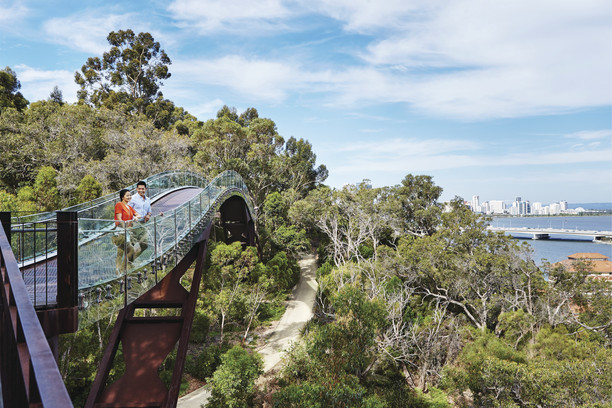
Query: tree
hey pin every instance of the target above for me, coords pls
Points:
(8, 201)
(252, 146)
(130, 73)
(10, 97)
(233, 383)
(230, 267)
(45, 189)
(298, 166)
(416, 205)
(89, 188)
(56, 95)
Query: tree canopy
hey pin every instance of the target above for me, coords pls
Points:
(10, 97)
(129, 74)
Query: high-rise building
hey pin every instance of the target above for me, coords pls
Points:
(536, 208)
(476, 204)
(563, 205)
(497, 206)
(554, 208)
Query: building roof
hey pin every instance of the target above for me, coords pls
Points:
(588, 256)
(596, 265)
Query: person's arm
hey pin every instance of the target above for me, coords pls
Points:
(147, 210)
(118, 217)
(135, 215)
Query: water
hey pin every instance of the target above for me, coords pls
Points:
(558, 250)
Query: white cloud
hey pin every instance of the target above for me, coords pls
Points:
(87, 31)
(590, 134)
(467, 59)
(365, 15)
(212, 16)
(207, 109)
(11, 13)
(267, 80)
(475, 59)
(37, 84)
(404, 155)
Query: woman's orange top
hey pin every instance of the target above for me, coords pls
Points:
(127, 212)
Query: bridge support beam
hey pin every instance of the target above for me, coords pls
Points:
(541, 236)
(147, 340)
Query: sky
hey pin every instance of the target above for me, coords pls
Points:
(500, 99)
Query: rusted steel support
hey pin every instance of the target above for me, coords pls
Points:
(67, 259)
(28, 371)
(147, 340)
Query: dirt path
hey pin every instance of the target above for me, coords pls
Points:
(287, 331)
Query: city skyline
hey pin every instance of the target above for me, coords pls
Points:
(483, 96)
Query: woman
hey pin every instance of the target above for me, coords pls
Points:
(124, 215)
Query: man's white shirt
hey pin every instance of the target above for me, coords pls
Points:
(141, 205)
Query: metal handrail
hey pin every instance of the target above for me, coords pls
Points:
(28, 370)
(83, 208)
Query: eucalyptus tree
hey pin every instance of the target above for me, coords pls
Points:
(253, 147)
(130, 73)
(10, 97)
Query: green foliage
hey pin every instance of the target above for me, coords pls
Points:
(417, 201)
(78, 140)
(10, 97)
(45, 189)
(89, 188)
(232, 384)
(56, 96)
(27, 200)
(285, 272)
(129, 74)
(343, 393)
(275, 210)
(560, 372)
(8, 201)
(324, 270)
(79, 355)
(515, 326)
(252, 146)
(205, 362)
(288, 238)
(200, 326)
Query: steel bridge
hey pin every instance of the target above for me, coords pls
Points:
(65, 270)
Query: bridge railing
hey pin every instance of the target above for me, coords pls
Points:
(117, 264)
(34, 235)
(29, 375)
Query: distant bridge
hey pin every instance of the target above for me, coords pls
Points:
(546, 233)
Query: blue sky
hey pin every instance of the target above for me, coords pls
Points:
(492, 98)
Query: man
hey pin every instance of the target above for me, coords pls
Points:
(142, 205)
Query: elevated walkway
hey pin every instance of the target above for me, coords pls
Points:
(77, 273)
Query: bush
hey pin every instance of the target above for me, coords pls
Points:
(199, 329)
(204, 364)
(233, 383)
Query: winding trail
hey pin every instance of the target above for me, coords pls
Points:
(287, 331)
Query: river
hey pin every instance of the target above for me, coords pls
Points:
(556, 250)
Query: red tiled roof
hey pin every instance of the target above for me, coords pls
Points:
(587, 255)
(595, 266)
